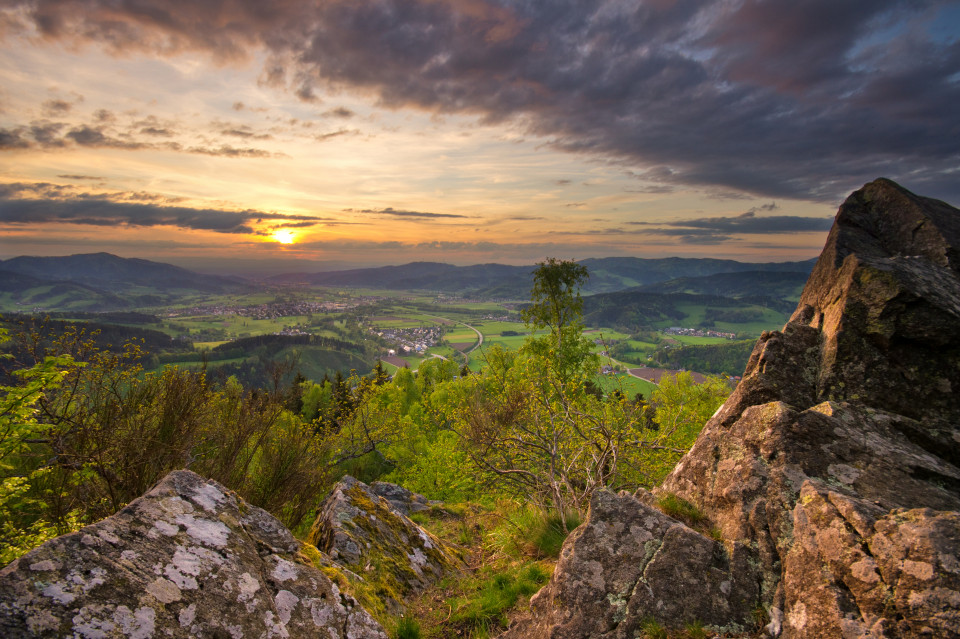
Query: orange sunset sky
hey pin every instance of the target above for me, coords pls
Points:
(306, 135)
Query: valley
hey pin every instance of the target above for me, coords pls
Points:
(697, 318)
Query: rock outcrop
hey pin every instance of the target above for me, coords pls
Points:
(405, 502)
(187, 559)
(831, 473)
(365, 533)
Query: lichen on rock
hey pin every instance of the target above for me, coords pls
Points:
(361, 531)
(187, 559)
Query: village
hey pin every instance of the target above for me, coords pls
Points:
(264, 311)
(410, 340)
(697, 332)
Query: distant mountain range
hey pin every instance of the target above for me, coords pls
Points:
(606, 275)
(101, 281)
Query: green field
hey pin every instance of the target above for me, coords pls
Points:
(627, 384)
(694, 339)
(380, 310)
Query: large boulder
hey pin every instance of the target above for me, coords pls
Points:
(187, 559)
(629, 558)
(833, 465)
(393, 557)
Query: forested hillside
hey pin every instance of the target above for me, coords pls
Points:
(84, 430)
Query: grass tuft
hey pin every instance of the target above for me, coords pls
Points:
(485, 604)
(651, 629)
(681, 509)
(407, 628)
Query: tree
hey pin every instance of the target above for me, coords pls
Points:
(680, 407)
(21, 525)
(556, 306)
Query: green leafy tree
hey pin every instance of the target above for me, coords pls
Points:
(556, 305)
(22, 521)
(680, 407)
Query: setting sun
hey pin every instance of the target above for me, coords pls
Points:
(284, 236)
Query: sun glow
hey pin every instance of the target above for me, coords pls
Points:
(284, 236)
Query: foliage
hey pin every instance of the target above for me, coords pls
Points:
(20, 528)
(681, 408)
(695, 630)
(551, 441)
(531, 532)
(652, 630)
(729, 357)
(557, 306)
(86, 431)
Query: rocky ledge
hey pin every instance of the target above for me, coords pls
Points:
(830, 476)
(188, 559)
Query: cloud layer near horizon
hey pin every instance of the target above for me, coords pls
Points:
(785, 99)
(44, 203)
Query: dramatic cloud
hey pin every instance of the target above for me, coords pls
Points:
(107, 132)
(41, 203)
(750, 224)
(411, 214)
(715, 230)
(800, 100)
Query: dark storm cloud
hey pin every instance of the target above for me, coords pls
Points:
(39, 203)
(769, 97)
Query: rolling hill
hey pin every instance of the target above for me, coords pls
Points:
(502, 281)
(99, 281)
(782, 285)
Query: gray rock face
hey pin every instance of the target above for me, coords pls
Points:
(628, 559)
(833, 465)
(360, 531)
(402, 500)
(188, 559)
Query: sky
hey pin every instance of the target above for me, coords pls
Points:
(304, 135)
